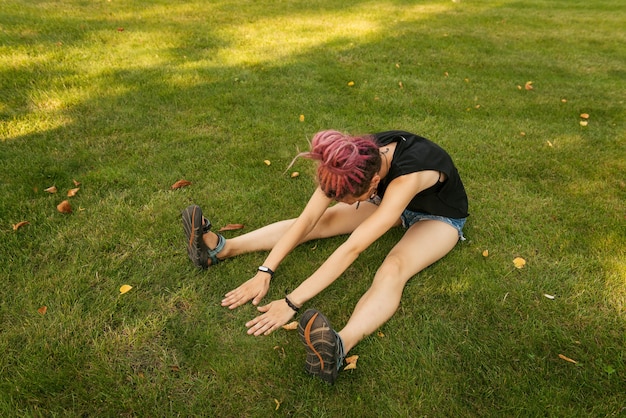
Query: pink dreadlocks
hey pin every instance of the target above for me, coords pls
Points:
(347, 163)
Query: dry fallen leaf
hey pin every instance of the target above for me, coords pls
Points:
(294, 174)
(125, 288)
(19, 225)
(584, 123)
(551, 297)
(380, 334)
(120, 29)
(352, 359)
(51, 189)
(43, 310)
(562, 357)
(549, 143)
(584, 115)
(267, 162)
(277, 404)
(72, 192)
(400, 84)
(528, 85)
(64, 207)
(486, 253)
(76, 182)
(351, 362)
(231, 227)
(291, 326)
(350, 83)
(519, 262)
(180, 183)
(301, 118)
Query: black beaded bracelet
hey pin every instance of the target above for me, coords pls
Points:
(291, 305)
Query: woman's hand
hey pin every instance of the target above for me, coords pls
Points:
(276, 314)
(255, 288)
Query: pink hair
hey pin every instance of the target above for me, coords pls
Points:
(347, 163)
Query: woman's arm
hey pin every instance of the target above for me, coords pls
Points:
(397, 197)
(256, 287)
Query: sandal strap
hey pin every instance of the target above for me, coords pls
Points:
(221, 241)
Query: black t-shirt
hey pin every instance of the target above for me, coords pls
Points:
(414, 153)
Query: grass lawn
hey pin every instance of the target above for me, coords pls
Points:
(121, 99)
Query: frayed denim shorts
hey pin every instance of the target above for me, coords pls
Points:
(409, 218)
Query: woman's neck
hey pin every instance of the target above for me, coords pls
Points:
(386, 155)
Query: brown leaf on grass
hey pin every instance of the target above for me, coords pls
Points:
(528, 85)
(179, 184)
(291, 326)
(43, 310)
(294, 174)
(120, 29)
(64, 207)
(19, 225)
(562, 357)
(584, 115)
(72, 192)
(76, 182)
(231, 227)
(486, 253)
(51, 189)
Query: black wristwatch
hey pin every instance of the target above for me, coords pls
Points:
(267, 270)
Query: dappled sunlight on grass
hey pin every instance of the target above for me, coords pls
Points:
(275, 39)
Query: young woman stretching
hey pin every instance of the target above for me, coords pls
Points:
(379, 181)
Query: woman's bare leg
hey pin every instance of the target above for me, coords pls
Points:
(337, 220)
(423, 244)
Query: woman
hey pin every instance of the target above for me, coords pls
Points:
(379, 181)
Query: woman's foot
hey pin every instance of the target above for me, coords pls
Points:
(324, 348)
(195, 227)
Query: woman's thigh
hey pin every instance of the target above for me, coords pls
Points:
(341, 219)
(424, 243)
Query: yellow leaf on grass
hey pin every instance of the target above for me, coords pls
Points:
(351, 362)
(380, 334)
(19, 225)
(291, 326)
(528, 85)
(294, 174)
(562, 357)
(125, 288)
(277, 404)
(267, 162)
(301, 118)
(486, 253)
(519, 262)
(584, 123)
(350, 83)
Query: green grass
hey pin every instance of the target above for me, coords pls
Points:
(207, 90)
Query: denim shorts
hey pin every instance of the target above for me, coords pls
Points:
(409, 218)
